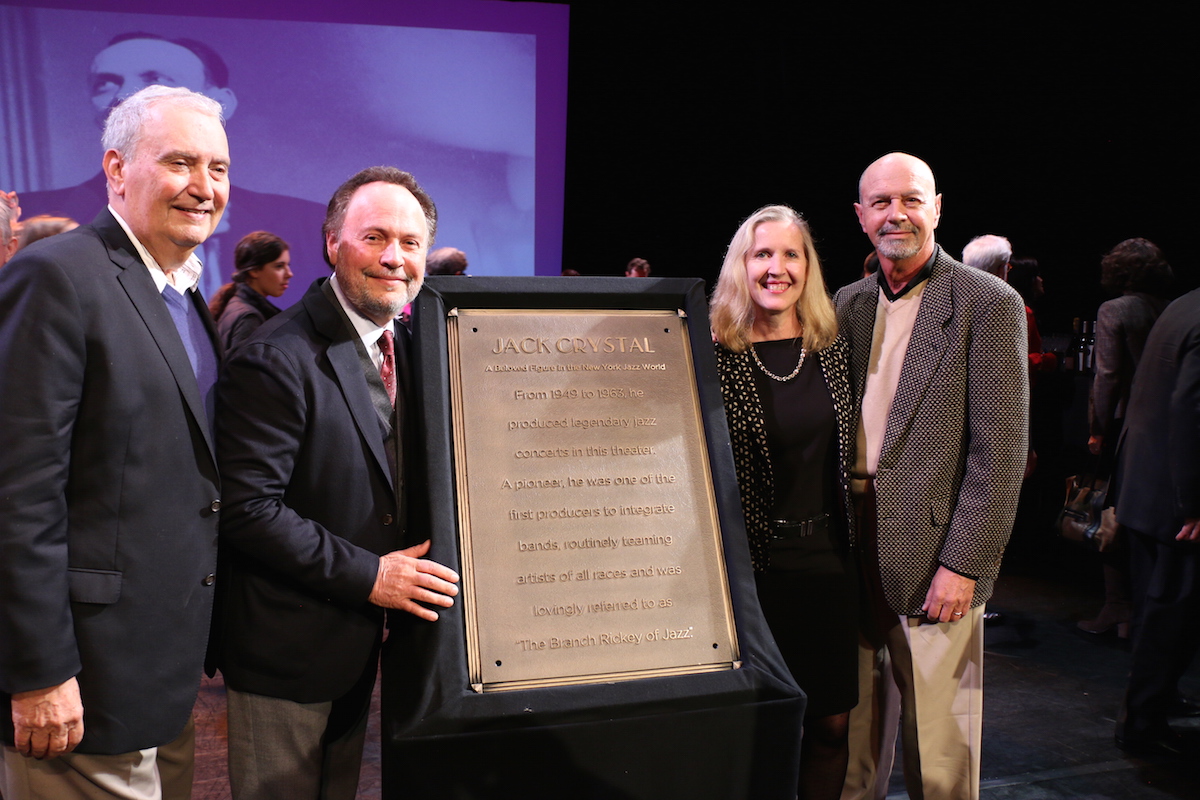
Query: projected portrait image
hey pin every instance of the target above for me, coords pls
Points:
(306, 104)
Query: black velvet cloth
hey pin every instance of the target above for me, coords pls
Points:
(732, 733)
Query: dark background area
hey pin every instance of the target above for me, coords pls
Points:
(1062, 131)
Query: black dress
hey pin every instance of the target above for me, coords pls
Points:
(808, 594)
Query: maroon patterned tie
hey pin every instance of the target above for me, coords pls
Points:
(387, 368)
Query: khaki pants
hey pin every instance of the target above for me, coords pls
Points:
(922, 677)
(933, 672)
(157, 773)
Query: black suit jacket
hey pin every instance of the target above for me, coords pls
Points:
(310, 506)
(108, 491)
(1159, 457)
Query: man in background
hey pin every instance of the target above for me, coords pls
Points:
(989, 253)
(446, 261)
(637, 268)
(1158, 505)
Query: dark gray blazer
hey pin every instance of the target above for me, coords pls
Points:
(108, 491)
(310, 506)
(1122, 325)
(245, 313)
(1159, 455)
(953, 453)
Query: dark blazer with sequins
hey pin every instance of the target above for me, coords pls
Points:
(953, 452)
(743, 409)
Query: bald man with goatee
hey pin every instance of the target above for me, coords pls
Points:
(938, 366)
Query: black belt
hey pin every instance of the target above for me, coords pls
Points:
(790, 529)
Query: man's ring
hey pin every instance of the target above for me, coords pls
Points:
(958, 613)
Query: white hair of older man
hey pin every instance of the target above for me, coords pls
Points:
(123, 128)
(989, 253)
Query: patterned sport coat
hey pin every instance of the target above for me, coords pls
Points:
(744, 411)
(953, 452)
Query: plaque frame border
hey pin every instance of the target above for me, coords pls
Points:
(427, 696)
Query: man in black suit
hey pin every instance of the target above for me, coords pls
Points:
(314, 430)
(108, 479)
(1158, 505)
(132, 61)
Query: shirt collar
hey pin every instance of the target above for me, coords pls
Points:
(186, 276)
(921, 276)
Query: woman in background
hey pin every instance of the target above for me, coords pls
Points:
(1137, 271)
(785, 383)
(263, 269)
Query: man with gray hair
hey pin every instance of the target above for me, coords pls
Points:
(108, 480)
(989, 253)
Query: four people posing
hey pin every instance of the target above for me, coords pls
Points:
(883, 460)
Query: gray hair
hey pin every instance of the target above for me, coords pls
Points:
(123, 128)
(989, 253)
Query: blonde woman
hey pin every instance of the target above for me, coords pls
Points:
(785, 382)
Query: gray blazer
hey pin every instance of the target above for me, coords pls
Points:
(953, 453)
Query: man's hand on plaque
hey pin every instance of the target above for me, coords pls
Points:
(406, 579)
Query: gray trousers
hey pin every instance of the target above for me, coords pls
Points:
(297, 751)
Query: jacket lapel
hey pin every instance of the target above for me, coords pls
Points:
(343, 355)
(862, 329)
(139, 286)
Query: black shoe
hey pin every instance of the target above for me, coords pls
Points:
(1163, 742)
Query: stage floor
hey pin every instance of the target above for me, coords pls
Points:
(1050, 700)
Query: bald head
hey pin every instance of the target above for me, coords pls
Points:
(899, 208)
(897, 164)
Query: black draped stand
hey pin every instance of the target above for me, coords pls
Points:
(733, 733)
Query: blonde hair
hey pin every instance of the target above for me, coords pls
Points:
(731, 311)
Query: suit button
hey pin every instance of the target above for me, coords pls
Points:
(387, 519)
(209, 579)
(215, 505)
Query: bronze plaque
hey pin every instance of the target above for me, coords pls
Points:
(591, 549)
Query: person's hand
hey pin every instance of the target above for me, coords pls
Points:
(1095, 444)
(405, 578)
(48, 722)
(949, 596)
(1190, 532)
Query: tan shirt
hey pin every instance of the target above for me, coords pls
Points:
(894, 321)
